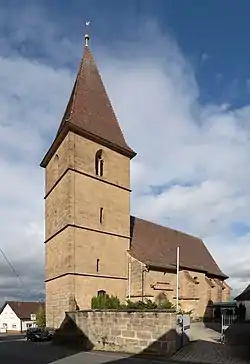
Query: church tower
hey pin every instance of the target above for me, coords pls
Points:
(87, 200)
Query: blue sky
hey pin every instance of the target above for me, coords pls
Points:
(178, 76)
(212, 35)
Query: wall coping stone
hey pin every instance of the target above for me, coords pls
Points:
(128, 310)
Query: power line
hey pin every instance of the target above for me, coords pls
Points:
(14, 271)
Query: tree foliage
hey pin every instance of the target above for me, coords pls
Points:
(112, 302)
(41, 317)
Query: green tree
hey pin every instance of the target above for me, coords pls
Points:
(41, 317)
(105, 301)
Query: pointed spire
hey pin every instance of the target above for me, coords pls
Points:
(89, 111)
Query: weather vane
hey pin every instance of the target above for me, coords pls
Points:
(87, 35)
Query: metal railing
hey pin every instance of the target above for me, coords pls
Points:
(227, 319)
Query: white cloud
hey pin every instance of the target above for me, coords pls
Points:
(204, 57)
(194, 155)
(31, 101)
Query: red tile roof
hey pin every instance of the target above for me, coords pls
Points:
(24, 309)
(156, 245)
(90, 113)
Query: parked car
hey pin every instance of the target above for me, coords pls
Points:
(51, 331)
(38, 334)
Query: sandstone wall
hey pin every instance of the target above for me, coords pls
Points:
(58, 293)
(195, 292)
(87, 224)
(124, 331)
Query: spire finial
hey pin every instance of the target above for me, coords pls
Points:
(87, 35)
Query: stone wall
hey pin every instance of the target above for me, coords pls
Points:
(149, 332)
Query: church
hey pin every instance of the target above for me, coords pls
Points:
(92, 242)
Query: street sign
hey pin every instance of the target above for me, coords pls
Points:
(33, 317)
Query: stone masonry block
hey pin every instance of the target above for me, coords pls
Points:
(129, 334)
(144, 335)
(115, 332)
(130, 342)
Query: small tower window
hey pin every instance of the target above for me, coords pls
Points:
(101, 215)
(97, 265)
(101, 293)
(99, 163)
(56, 165)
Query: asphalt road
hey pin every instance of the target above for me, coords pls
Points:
(8, 337)
(19, 351)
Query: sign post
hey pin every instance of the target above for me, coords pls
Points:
(33, 318)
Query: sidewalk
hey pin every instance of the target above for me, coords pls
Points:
(206, 348)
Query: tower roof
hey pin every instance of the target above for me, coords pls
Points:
(89, 112)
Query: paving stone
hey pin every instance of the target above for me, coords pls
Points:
(206, 348)
(210, 352)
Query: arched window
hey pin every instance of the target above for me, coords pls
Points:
(101, 293)
(99, 163)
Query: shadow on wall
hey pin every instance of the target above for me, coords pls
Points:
(211, 319)
(208, 314)
(69, 334)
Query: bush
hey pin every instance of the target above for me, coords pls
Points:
(105, 302)
(141, 305)
(166, 305)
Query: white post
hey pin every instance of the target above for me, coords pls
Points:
(177, 278)
(129, 280)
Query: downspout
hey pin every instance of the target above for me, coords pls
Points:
(144, 270)
(142, 284)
